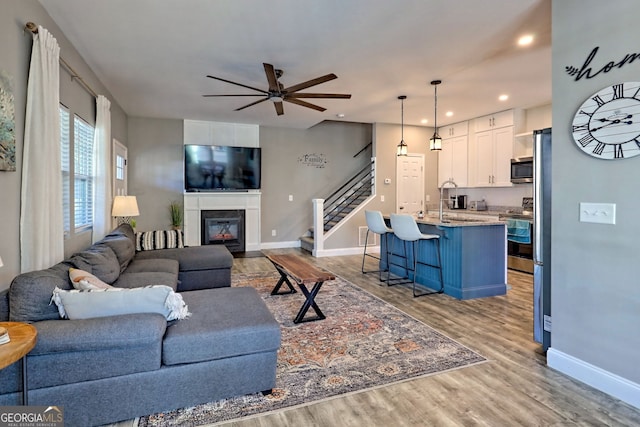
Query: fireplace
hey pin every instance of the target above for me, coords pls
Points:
(223, 227)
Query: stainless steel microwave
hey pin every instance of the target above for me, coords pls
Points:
(522, 170)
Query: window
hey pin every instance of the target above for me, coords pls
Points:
(77, 172)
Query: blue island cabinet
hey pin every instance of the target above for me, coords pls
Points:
(474, 258)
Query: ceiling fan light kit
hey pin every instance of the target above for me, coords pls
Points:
(277, 92)
(435, 143)
(402, 147)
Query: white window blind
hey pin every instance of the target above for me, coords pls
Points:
(66, 168)
(83, 173)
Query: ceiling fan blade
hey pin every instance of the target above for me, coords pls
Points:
(237, 84)
(244, 94)
(253, 103)
(310, 83)
(319, 95)
(304, 104)
(279, 108)
(271, 77)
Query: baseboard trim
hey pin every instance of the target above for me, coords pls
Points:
(280, 245)
(596, 377)
(340, 252)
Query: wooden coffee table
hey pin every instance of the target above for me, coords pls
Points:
(23, 338)
(300, 271)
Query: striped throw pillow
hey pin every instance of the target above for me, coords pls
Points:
(159, 239)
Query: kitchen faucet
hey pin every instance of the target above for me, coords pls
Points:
(449, 181)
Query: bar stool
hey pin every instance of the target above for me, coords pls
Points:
(375, 224)
(406, 230)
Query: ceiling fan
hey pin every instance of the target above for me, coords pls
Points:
(278, 93)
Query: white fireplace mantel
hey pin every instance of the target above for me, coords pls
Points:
(247, 201)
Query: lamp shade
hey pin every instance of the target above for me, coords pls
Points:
(435, 143)
(125, 206)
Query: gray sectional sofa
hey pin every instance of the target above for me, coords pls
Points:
(107, 369)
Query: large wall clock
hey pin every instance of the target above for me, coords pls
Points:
(607, 124)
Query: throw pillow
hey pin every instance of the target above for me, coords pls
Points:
(159, 239)
(76, 304)
(84, 281)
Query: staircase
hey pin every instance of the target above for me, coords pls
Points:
(339, 205)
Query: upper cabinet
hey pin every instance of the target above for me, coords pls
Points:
(494, 121)
(453, 158)
(491, 148)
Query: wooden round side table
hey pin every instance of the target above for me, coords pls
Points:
(23, 338)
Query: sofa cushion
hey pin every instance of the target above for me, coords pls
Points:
(159, 239)
(99, 260)
(122, 246)
(154, 265)
(192, 258)
(77, 304)
(71, 351)
(146, 278)
(225, 322)
(30, 293)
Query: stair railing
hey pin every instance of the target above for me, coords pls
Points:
(327, 213)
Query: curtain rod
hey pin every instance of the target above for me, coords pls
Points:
(33, 28)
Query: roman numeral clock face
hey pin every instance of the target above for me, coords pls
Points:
(607, 125)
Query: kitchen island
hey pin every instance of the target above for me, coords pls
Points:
(473, 255)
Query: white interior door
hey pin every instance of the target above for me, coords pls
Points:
(119, 169)
(410, 183)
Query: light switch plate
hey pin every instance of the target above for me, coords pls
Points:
(601, 213)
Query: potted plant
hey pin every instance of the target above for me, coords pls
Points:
(175, 209)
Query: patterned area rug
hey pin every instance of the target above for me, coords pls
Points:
(363, 343)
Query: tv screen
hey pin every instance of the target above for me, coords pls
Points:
(221, 168)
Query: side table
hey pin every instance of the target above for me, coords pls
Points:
(23, 338)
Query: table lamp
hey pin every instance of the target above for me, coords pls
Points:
(124, 207)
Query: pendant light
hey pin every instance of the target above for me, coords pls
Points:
(435, 143)
(402, 147)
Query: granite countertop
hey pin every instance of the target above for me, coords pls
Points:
(457, 222)
(448, 221)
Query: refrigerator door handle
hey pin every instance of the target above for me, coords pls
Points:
(537, 199)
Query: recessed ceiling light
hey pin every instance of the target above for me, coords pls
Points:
(340, 115)
(424, 121)
(449, 113)
(525, 40)
(503, 97)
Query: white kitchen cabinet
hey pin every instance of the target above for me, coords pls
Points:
(453, 158)
(494, 121)
(493, 150)
(454, 130)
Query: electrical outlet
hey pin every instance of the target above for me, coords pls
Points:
(382, 198)
(428, 198)
(601, 213)
(273, 232)
(291, 197)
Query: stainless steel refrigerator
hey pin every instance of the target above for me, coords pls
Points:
(542, 237)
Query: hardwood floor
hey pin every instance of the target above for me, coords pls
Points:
(514, 388)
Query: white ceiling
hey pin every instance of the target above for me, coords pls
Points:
(154, 55)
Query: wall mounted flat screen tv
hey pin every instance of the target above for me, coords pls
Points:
(221, 168)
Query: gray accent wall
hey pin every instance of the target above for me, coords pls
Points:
(155, 168)
(286, 172)
(595, 287)
(15, 54)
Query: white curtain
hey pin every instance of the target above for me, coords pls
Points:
(102, 163)
(41, 220)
